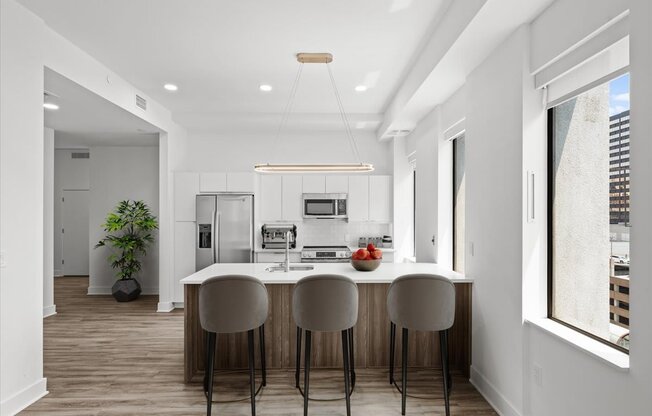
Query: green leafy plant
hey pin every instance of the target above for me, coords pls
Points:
(129, 229)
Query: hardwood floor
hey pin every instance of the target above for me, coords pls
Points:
(107, 358)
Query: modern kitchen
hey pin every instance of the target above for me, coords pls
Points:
(352, 207)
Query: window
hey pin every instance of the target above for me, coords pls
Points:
(588, 212)
(458, 204)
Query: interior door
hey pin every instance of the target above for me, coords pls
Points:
(74, 233)
(235, 228)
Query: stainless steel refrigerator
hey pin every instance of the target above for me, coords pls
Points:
(225, 229)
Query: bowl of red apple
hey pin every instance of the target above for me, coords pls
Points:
(367, 259)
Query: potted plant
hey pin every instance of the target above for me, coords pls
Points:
(129, 229)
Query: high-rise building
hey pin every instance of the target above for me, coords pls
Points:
(619, 168)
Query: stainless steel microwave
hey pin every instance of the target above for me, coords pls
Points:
(325, 206)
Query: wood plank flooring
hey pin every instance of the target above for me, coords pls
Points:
(107, 358)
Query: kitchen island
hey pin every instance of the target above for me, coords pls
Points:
(371, 333)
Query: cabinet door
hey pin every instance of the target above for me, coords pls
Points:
(210, 182)
(240, 182)
(270, 198)
(337, 184)
(292, 190)
(186, 188)
(314, 184)
(358, 198)
(380, 198)
(184, 255)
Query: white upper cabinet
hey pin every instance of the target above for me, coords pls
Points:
(292, 190)
(314, 184)
(240, 182)
(358, 209)
(380, 198)
(186, 188)
(212, 182)
(337, 184)
(271, 201)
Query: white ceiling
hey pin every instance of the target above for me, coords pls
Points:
(218, 52)
(85, 119)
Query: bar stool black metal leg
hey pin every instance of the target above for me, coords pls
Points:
(448, 375)
(207, 348)
(352, 357)
(210, 367)
(306, 380)
(298, 361)
(263, 364)
(346, 357)
(252, 370)
(404, 354)
(392, 349)
(444, 367)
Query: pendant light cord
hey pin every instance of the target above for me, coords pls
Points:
(287, 111)
(343, 116)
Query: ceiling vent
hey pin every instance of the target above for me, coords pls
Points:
(399, 133)
(141, 102)
(80, 155)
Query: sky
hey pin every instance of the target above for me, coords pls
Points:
(619, 95)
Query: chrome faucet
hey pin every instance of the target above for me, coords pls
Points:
(287, 251)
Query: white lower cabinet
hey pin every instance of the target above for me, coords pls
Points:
(277, 257)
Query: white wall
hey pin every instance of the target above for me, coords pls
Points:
(427, 136)
(69, 174)
(49, 308)
(403, 226)
(116, 174)
(27, 45)
(21, 208)
(203, 152)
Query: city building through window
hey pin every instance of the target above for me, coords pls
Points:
(589, 202)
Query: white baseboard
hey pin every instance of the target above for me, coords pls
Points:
(497, 400)
(106, 290)
(58, 273)
(49, 310)
(178, 305)
(24, 398)
(165, 307)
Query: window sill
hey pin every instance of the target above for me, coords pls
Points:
(605, 353)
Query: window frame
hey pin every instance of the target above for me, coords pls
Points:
(550, 230)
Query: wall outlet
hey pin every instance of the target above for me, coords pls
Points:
(537, 374)
(3, 262)
(472, 248)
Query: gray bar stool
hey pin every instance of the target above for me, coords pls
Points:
(422, 302)
(325, 303)
(229, 304)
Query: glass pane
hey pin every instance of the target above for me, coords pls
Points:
(590, 206)
(458, 204)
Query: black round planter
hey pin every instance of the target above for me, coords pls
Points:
(126, 290)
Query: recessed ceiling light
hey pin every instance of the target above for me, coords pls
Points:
(361, 88)
(170, 87)
(265, 88)
(50, 106)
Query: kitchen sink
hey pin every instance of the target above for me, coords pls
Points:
(292, 268)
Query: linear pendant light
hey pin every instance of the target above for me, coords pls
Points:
(315, 58)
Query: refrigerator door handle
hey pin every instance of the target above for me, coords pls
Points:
(216, 249)
(213, 238)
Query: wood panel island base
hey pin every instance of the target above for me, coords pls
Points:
(371, 333)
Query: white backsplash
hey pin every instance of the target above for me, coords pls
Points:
(333, 232)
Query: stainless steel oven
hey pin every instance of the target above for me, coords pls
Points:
(325, 254)
(325, 206)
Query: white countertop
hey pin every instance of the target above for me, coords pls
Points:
(298, 249)
(385, 273)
